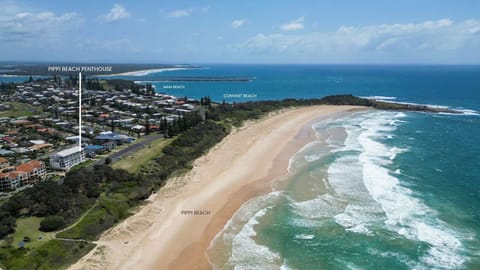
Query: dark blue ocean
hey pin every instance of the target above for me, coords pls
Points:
(377, 190)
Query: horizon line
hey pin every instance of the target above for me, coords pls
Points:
(234, 63)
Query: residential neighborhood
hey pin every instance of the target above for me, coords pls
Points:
(43, 141)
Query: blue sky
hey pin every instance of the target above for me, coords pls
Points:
(269, 31)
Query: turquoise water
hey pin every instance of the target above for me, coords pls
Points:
(377, 190)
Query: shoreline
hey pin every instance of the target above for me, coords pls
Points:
(242, 166)
(144, 72)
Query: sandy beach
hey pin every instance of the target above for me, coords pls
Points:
(174, 229)
(147, 71)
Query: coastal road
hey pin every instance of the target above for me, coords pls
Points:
(132, 148)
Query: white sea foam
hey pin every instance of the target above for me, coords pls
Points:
(394, 151)
(406, 214)
(398, 256)
(290, 164)
(313, 157)
(145, 72)
(247, 254)
(468, 111)
(462, 111)
(357, 217)
(305, 222)
(304, 236)
(239, 232)
(379, 97)
(285, 267)
(344, 176)
(323, 206)
(308, 153)
(333, 142)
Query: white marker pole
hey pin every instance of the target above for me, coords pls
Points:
(80, 111)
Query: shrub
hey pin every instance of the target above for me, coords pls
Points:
(52, 223)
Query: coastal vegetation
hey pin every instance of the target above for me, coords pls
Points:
(237, 113)
(54, 254)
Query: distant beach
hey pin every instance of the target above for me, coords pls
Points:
(147, 71)
(91, 69)
(183, 218)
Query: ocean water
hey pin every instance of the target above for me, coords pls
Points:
(377, 189)
(455, 86)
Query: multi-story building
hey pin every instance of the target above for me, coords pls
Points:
(12, 180)
(66, 159)
(35, 170)
(5, 183)
(24, 174)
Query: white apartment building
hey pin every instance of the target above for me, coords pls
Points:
(66, 159)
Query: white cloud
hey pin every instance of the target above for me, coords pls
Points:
(238, 23)
(184, 12)
(20, 25)
(118, 12)
(294, 25)
(120, 45)
(179, 13)
(440, 35)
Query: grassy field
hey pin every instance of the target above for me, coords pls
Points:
(133, 162)
(29, 227)
(82, 165)
(18, 110)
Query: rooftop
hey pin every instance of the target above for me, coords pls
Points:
(68, 152)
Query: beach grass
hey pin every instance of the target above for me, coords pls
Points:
(142, 157)
(82, 165)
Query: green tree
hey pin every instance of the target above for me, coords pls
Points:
(52, 223)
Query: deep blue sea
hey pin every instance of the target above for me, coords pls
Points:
(377, 189)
